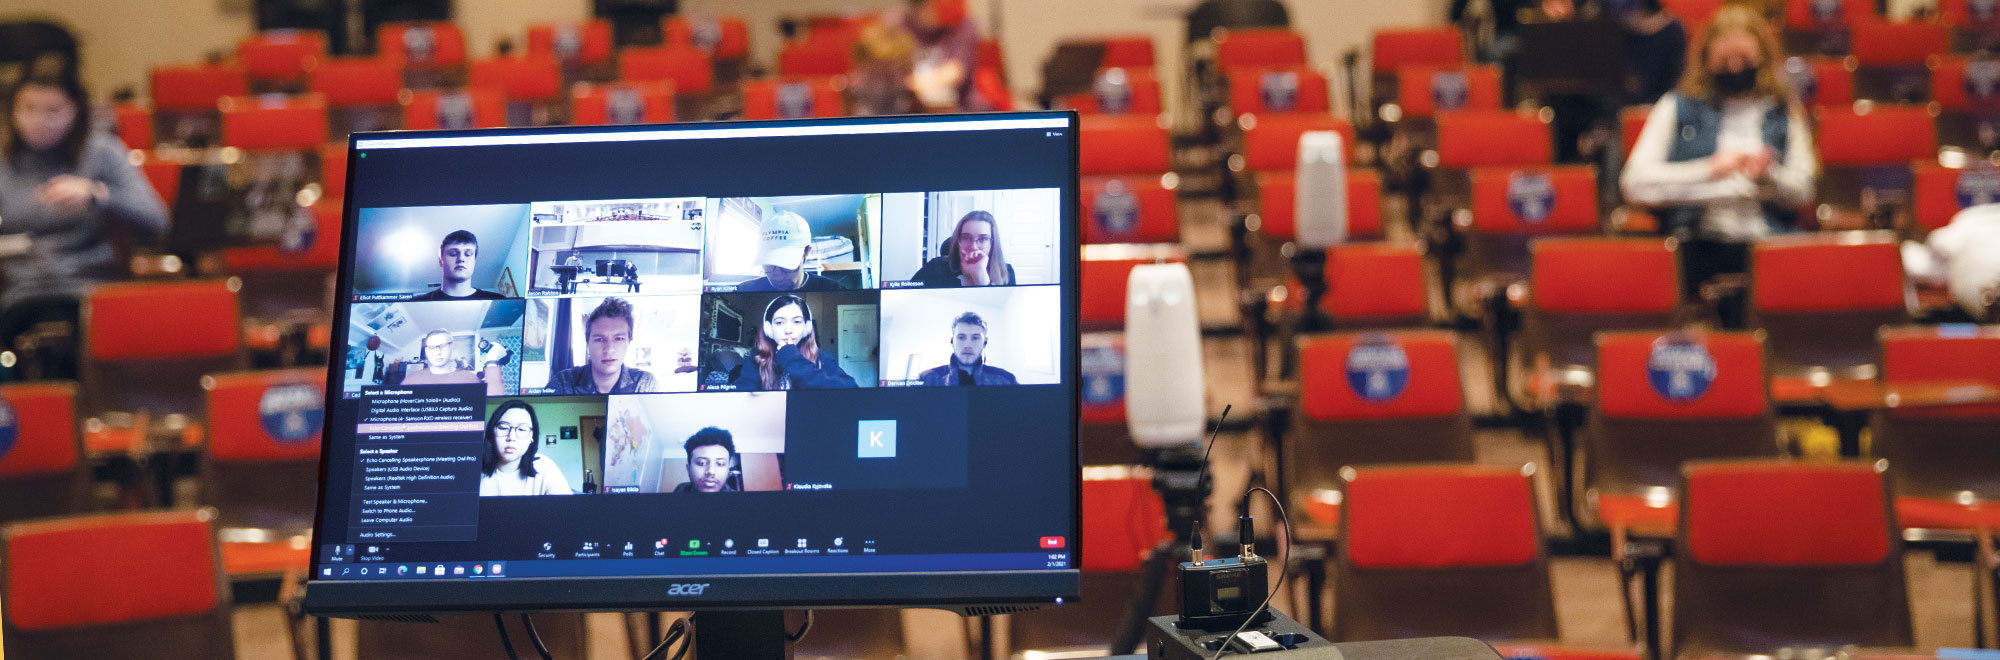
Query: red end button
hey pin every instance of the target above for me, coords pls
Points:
(1052, 542)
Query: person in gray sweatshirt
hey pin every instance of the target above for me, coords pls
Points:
(63, 188)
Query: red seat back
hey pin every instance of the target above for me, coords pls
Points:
(109, 569)
(640, 102)
(1424, 90)
(724, 38)
(1535, 201)
(1681, 376)
(1122, 144)
(685, 66)
(816, 57)
(1941, 192)
(1129, 209)
(1951, 90)
(1487, 138)
(165, 176)
(576, 43)
(1876, 42)
(1793, 274)
(1271, 142)
(1820, 81)
(1377, 376)
(1128, 52)
(160, 320)
(1968, 14)
(1277, 200)
(1886, 135)
(531, 78)
(279, 53)
(41, 420)
(1103, 367)
(322, 255)
(1815, 14)
(1260, 48)
(1786, 513)
(257, 416)
(195, 87)
(1400, 47)
(1438, 516)
(423, 44)
(792, 98)
(274, 122)
(1123, 518)
(333, 171)
(1952, 352)
(1695, 13)
(1605, 275)
(1277, 89)
(488, 107)
(1143, 86)
(357, 81)
(1375, 280)
(135, 125)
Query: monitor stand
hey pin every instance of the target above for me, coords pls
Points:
(741, 635)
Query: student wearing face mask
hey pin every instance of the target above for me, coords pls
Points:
(788, 356)
(1726, 157)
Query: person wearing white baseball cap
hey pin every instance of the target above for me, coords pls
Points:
(785, 240)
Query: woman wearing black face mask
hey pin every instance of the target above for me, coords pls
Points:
(1727, 156)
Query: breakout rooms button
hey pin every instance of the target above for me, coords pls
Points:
(877, 438)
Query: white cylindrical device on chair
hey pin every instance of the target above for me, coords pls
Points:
(1321, 202)
(1163, 373)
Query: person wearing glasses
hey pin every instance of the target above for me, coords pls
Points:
(972, 256)
(436, 365)
(509, 464)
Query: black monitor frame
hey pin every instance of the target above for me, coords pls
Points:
(966, 592)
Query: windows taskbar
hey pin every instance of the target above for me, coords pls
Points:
(638, 567)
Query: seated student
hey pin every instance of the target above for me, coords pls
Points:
(786, 242)
(608, 334)
(457, 256)
(509, 464)
(439, 367)
(972, 256)
(968, 365)
(788, 355)
(709, 453)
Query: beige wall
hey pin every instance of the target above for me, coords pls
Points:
(124, 38)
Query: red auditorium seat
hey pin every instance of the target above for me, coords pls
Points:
(1941, 455)
(1256, 48)
(1482, 138)
(195, 88)
(274, 122)
(816, 57)
(1877, 42)
(572, 43)
(1373, 397)
(1953, 92)
(623, 103)
(1376, 285)
(164, 175)
(146, 346)
(1755, 535)
(423, 44)
(1271, 142)
(1819, 81)
(1821, 298)
(115, 585)
(1105, 274)
(1130, 209)
(263, 464)
(1396, 48)
(1943, 191)
(723, 38)
(1127, 52)
(356, 81)
(1140, 87)
(1580, 286)
(1122, 144)
(279, 55)
(267, 262)
(1103, 367)
(41, 466)
(1695, 13)
(1827, 14)
(466, 108)
(1123, 518)
(1512, 206)
(1665, 398)
(135, 125)
(793, 98)
(1277, 204)
(1277, 89)
(1424, 90)
(686, 67)
(1972, 15)
(1886, 134)
(531, 78)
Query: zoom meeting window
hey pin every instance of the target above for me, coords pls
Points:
(804, 348)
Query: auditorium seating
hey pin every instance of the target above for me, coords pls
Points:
(362, 93)
(793, 98)
(622, 103)
(1393, 49)
(432, 53)
(184, 100)
(1941, 192)
(1581, 286)
(1821, 26)
(42, 472)
(262, 466)
(275, 60)
(1119, 91)
(1513, 206)
(532, 86)
(1422, 91)
(1939, 453)
(816, 57)
(1890, 57)
(1258, 48)
(1277, 203)
(1127, 181)
(1106, 269)
(1818, 81)
(115, 586)
(1975, 25)
(455, 109)
(146, 346)
(1373, 397)
(1266, 90)
(1821, 321)
(1966, 91)
(1865, 153)
(1755, 536)
(689, 69)
(583, 49)
(1376, 285)
(1123, 520)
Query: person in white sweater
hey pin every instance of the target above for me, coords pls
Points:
(510, 465)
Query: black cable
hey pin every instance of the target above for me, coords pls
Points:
(682, 629)
(529, 623)
(803, 629)
(1285, 559)
(504, 642)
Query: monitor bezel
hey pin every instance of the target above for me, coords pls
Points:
(961, 591)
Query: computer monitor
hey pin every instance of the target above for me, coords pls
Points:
(848, 378)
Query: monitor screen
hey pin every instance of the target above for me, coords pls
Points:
(745, 364)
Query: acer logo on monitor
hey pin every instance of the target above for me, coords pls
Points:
(687, 589)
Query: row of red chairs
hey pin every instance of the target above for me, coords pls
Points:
(292, 54)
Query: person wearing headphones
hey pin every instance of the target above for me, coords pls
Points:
(968, 365)
(788, 355)
(711, 453)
